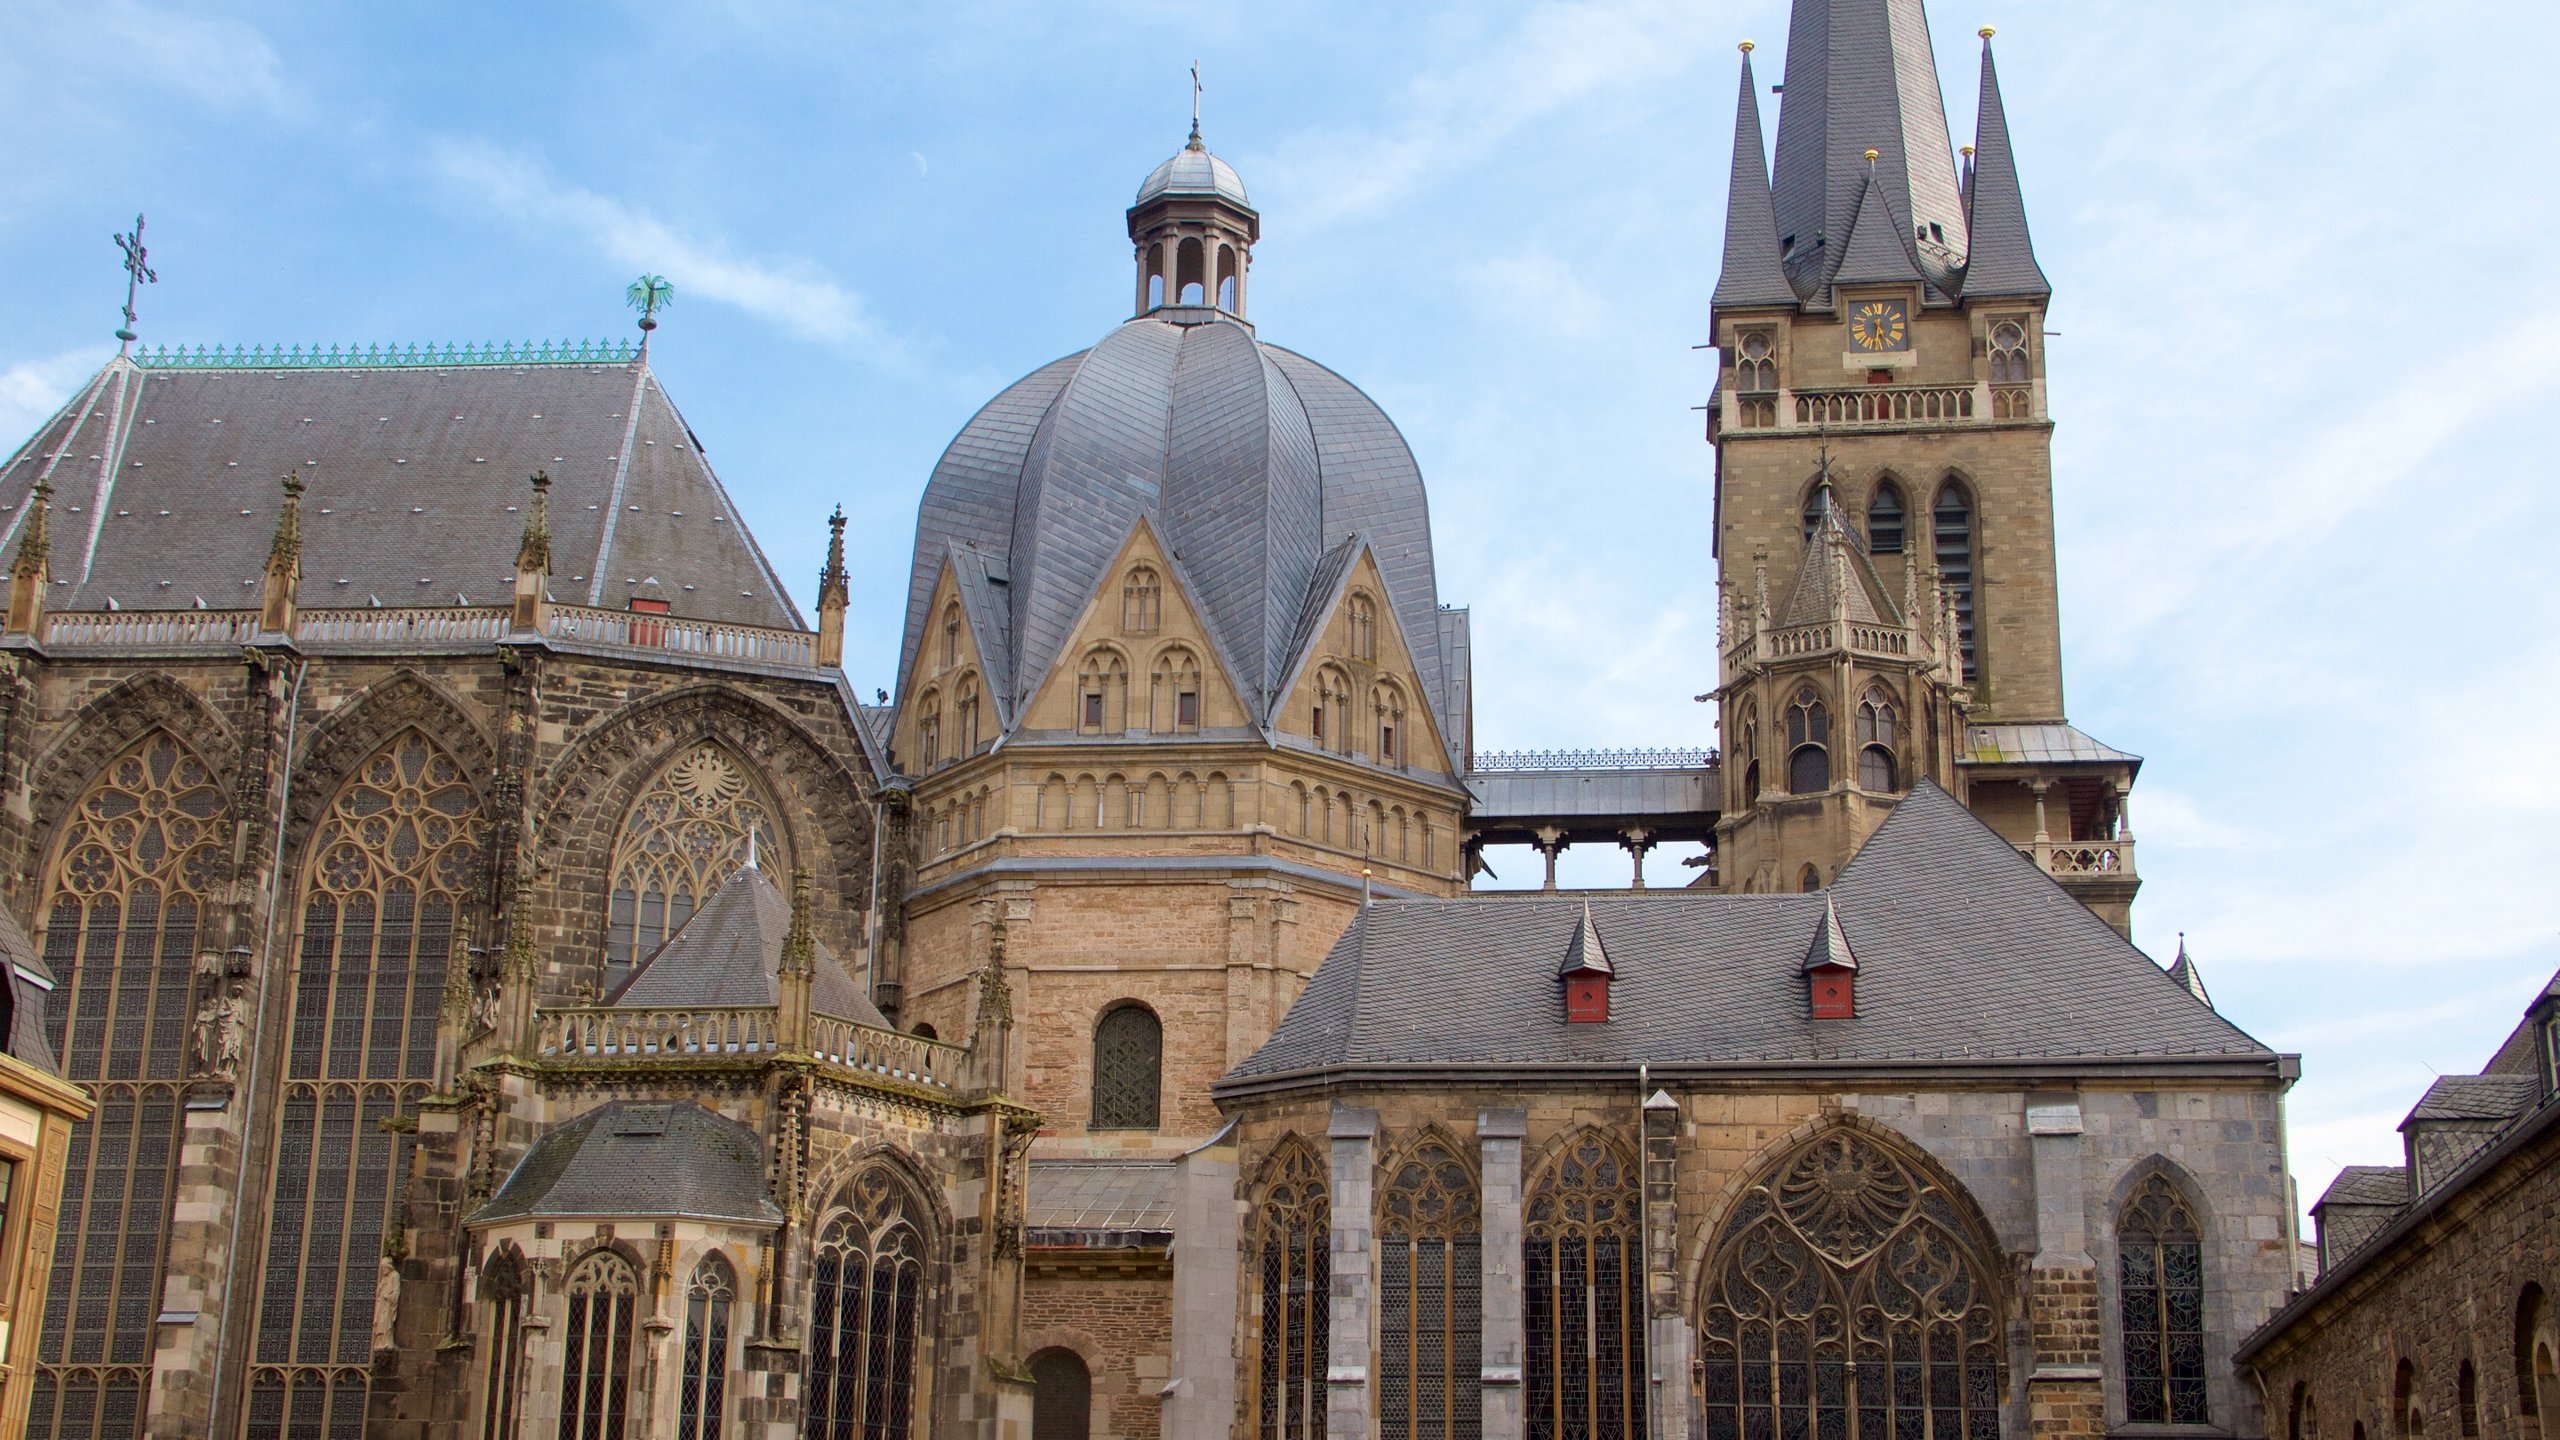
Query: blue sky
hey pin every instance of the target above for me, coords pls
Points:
(2304, 369)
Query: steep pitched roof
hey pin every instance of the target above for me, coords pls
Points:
(1830, 943)
(1861, 75)
(2002, 261)
(1876, 249)
(1585, 953)
(2184, 971)
(2475, 1097)
(2366, 1185)
(1835, 565)
(730, 953)
(1752, 273)
(639, 1159)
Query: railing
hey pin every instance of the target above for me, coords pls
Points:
(1487, 761)
(606, 1032)
(1884, 404)
(151, 627)
(298, 357)
(639, 630)
(888, 1053)
(407, 625)
(2070, 859)
(1814, 639)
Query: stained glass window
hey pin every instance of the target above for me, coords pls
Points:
(1808, 743)
(139, 854)
(689, 831)
(595, 1348)
(2160, 1282)
(866, 1299)
(395, 857)
(1584, 1286)
(1430, 1292)
(1291, 1250)
(703, 1404)
(502, 1289)
(1844, 1302)
(1128, 1069)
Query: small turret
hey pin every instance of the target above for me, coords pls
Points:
(1830, 968)
(2003, 261)
(1752, 273)
(1194, 230)
(1586, 973)
(533, 558)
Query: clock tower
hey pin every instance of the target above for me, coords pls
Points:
(1884, 482)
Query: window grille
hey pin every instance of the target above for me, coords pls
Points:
(2160, 1278)
(1844, 1301)
(1584, 1290)
(866, 1300)
(1292, 1236)
(702, 1405)
(688, 832)
(139, 855)
(1430, 1292)
(1952, 526)
(1141, 602)
(1808, 743)
(2009, 353)
(595, 1348)
(1885, 520)
(1128, 1069)
(502, 1288)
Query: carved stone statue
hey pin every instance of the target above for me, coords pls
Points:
(386, 1305)
(218, 1020)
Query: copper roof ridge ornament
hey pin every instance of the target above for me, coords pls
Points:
(649, 294)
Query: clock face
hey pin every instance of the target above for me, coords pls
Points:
(1879, 325)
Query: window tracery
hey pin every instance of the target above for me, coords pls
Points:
(1430, 1297)
(700, 819)
(1363, 612)
(1291, 1239)
(1755, 367)
(1879, 732)
(1808, 743)
(1844, 1300)
(1584, 1286)
(2160, 1291)
(596, 1347)
(502, 1290)
(1102, 691)
(2009, 353)
(1173, 702)
(866, 1302)
(702, 1404)
(1128, 1068)
(1141, 601)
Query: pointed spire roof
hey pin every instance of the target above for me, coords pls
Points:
(1830, 943)
(1836, 567)
(1874, 251)
(1752, 272)
(1861, 76)
(2003, 260)
(732, 952)
(1583, 954)
(2183, 970)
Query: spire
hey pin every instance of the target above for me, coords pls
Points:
(832, 593)
(32, 569)
(2003, 259)
(1829, 968)
(1583, 953)
(1752, 274)
(1861, 76)
(2184, 972)
(1830, 945)
(799, 967)
(284, 562)
(1872, 250)
(1835, 581)
(533, 557)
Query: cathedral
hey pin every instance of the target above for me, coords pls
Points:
(525, 988)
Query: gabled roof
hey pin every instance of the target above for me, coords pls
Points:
(1830, 944)
(979, 581)
(2366, 1185)
(730, 953)
(2475, 1097)
(2003, 259)
(1876, 249)
(30, 983)
(639, 1159)
(1752, 273)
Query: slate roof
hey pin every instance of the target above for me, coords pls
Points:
(1090, 1201)
(1861, 76)
(2367, 1185)
(1835, 564)
(639, 1159)
(30, 984)
(1193, 171)
(729, 952)
(1752, 274)
(2037, 745)
(2476, 1097)
(165, 488)
(1966, 953)
(2003, 258)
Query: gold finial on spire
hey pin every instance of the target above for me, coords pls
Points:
(1986, 32)
(1965, 150)
(1747, 47)
(1871, 156)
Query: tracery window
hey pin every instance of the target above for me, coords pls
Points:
(596, 1346)
(1584, 1285)
(1746, 747)
(964, 716)
(1141, 601)
(1173, 702)
(394, 858)
(702, 1405)
(866, 1302)
(139, 856)
(1878, 733)
(950, 636)
(696, 823)
(1364, 627)
(2009, 353)
(1128, 1068)
(1885, 520)
(1333, 710)
(1754, 366)
(1386, 706)
(1430, 1298)
(1951, 520)
(1808, 743)
(1844, 1301)
(502, 1289)
(1102, 694)
(1290, 1250)
(2160, 1280)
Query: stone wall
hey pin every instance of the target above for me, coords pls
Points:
(1117, 1319)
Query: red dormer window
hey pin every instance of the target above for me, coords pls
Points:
(647, 631)
(1586, 999)
(1835, 994)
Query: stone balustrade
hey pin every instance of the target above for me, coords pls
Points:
(632, 1035)
(2076, 859)
(180, 629)
(704, 639)
(403, 625)
(464, 626)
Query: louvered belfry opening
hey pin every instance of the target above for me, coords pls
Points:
(1430, 1297)
(1583, 1283)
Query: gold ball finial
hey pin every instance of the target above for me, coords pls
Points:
(1986, 32)
(1871, 156)
(1964, 150)
(1748, 47)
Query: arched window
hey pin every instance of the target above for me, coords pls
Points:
(1754, 366)
(1815, 501)
(502, 1287)
(1951, 524)
(866, 1302)
(1845, 1298)
(1290, 1249)
(964, 716)
(1885, 520)
(1746, 749)
(1386, 710)
(595, 1347)
(1333, 710)
(693, 826)
(1808, 743)
(394, 858)
(1430, 1293)
(1102, 694)
(1128, 1068)
(924, 1031)
(141, 853)
(1584, 1286)
(1364, 627)
(1141, 601)
(1879, 731)
(2160, 1283)
(1809, 880)
(702, 1405)
(928, 730)
(2295, 1413)
(2009, 353)
(1174, 692)
(2527, 1328)
(950, 636)
(2407, 1417)
(1061, 1395)
(2466, 1398)
(1190, 271)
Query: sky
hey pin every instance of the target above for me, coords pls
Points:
(2303, 478)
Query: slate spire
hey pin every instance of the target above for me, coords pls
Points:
(2183, 971)
(1861, 76)
(1752, 273)
(2003, 261)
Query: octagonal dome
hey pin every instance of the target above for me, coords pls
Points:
(1193, 171)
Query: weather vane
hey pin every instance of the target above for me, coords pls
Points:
(650, 294)
(137, 272)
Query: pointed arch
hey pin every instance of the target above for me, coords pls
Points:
(505, 1284)
(1953, 522)
(354, 732)
(2160, 1296)
(1583, 1285)
(702, 1396)
(1430, 1289)
(598, 1345)
(1808, 722)
(871, 1261)
(1879, 736)
(1888, 516)
(703, 814)
(109, 725)
(1288, 1257)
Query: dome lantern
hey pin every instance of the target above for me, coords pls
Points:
(1194, 231)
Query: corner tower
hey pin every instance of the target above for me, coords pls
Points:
(1884, 469)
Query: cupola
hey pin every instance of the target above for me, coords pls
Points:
(1830, 970)
(1586, 974)
(1194, 230)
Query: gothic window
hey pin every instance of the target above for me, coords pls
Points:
(1364, 627)
(1061, 1395)
(2160, 1283)
(1289, 1250)
(950, 636)
(1746, 748)
(502, 1290)
(703, 1404)
(1884, 520)
(697, 822)
(1951, 521)
(1174, 699)
(1128, 1068)
(1755, 367)
(1333, 710)
(2406, 1417)
(139, 856)
(2528, 1366)
(928, 730)
(1386, 708)
(866, 1302)
(1584, 1288)
(1808, 743)
(1430, 1290)
(1843, 1299)
(1141, 601)
(394, 859)
(595, 1347)
(2466, 1398)
(1878, 733)
(1809, 881)
(1102, 694)
(2008, 353)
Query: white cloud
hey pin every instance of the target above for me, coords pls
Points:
(31, 390)
(127, 46)
(792, 294)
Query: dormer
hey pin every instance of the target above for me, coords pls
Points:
(1586, 974)
(1830, 969)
